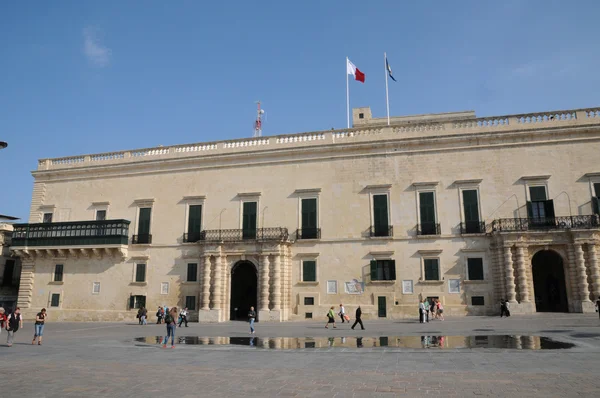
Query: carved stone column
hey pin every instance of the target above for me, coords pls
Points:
(26, 284)
(224, 300)
(206, 284)
(276, 297)
(523, 285)
(510, 279)
(218, 280)
(264, 282)
(594, 270)
(584, 291)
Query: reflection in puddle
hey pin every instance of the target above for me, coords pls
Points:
(432, 342)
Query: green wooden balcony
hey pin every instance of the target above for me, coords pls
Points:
(73, 233)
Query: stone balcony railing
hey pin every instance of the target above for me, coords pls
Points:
(523, 122)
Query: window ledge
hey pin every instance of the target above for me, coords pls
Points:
(475, 282)
(189, 283)
(139, 283)
(307, 240)
(308, 283)
(383, 282)
(56, 283)
(141, 244)
(381, 237)
(431, 282)
(475, 234)
(429, 236)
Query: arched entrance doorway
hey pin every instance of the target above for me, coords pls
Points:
(549, 282)
(244, 290)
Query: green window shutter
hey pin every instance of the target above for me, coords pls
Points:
(144, 221)
(392, 265)
(380, 213)
(194, 221)
(471, 207)
(549, 208)
(529, 210)
(131, 301)
(431, 269)
(373, 270)
(309, 271)
(309, 213)
(140, 273)
(58, 273)
(596, 205)
(475, 266)
(427, 207)
(597, 189)
(192, 272)
(55, 301)
(190, 302)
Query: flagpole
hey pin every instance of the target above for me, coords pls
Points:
(347, 95)
(387, 98)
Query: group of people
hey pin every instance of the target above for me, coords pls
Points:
(345, 318)
(162, 313)
(13, 322)
(435, 308)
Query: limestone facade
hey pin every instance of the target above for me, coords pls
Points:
(448, 205)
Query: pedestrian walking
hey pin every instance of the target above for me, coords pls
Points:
(427, 309)
(432, 308)
(170, 321)
(40, 320)
(598, 306)
(159, 315)
(358, 316)
(3, 318)
(421, 311)
(440, 309)
(330, 318)
(251, 319)
(13, 323)
(504, 308)
(183, 317)
(139, 315)
(342, 313)
(144, 316)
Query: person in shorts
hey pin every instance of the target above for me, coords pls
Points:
(40, 320)
(440, 309)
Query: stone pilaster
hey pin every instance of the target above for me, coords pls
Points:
(26, 284)
(594, 270)
(224, 297)
(510, 279)
(217, 283)
(276, 297)
(584, 292)
(264, 283)
(523, 285)
(206, 284)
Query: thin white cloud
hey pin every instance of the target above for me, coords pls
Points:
(96, 53)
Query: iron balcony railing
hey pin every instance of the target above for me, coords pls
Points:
(308, 233)
(429, 228)
(240, 235)
(72, 233)
(472, 227)
(376, 231)
(141, 239)
(191, 237)
(545, 223)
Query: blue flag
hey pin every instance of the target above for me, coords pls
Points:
(389, 69)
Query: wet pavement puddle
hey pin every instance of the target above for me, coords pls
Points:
(410, 342)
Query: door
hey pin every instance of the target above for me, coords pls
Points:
(309, 218)
(471, 209)
(249, 221)
(381, 307)
(380, 215)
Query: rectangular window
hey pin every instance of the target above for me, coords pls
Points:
(58, 273)
(537, 194)
(192, 272)
(249, 220)
(308, 315)
(144, 225)
(309, 218)
(190, 303)
(55, 301)
(309, 271)
(164, 288)
(331, 287)
(596, 199)
(96, 288)
(475, 269)
(432, 269)
(100, 215)
(136, 302)
(597, 189)
(309, 301)
(380, 215)
(427, 213)
(477, 300)
(194, 223)
(9, 271)
(383, 270)
(471, 209)
(140, 272)
(47, 218)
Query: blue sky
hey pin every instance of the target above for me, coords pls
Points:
(86, 77)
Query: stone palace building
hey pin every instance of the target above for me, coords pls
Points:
(468, 210)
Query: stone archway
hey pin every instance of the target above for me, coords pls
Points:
(244, 290)
(549, 282)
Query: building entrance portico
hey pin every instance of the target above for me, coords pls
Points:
(244, 290)
(549, 286)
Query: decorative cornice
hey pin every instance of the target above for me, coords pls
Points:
(381, 254)
(107, 203)
(425, 184)
(307, 254)
(198, 197)
(143, 201)
(429, 252)
(378, 186)
(308, 190)
(590, 175)
(248, 194)
(468, 182)
(536, 178)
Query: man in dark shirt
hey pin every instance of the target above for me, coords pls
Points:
(358, 319)
(598, 306)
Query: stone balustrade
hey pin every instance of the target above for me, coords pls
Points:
(407, 129)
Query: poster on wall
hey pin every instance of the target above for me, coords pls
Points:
(454, 286)
(407, 287)
(354, 287)
(331, 287)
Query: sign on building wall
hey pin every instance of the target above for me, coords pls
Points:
(354, 287)
(453, 285)
(407, 287)
(331, 287)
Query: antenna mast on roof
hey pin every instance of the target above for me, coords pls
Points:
(258, 121)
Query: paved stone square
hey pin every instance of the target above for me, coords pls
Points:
(100, 359)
